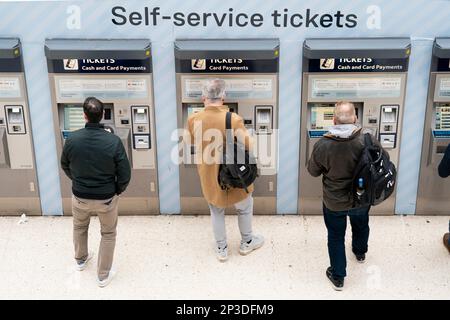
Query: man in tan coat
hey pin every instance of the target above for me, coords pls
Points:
(208, 128)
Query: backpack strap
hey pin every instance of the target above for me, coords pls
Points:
(368, 140)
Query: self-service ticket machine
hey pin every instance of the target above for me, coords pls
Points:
(18, 179)
(119, 73)
(371, 73)
(434, 192)
(250, 70)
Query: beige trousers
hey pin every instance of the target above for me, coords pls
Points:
(107, 212)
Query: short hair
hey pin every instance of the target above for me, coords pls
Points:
(214, 89)
(93, 109)
(344, 112)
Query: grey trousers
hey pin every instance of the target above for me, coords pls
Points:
(107, 212)
(244, 210)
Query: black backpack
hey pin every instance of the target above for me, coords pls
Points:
(239, 169)
(375, 176)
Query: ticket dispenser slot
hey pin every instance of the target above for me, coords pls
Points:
(141, 127)
(15, 120)
(388, 126)
(263, 119)
(4, 155)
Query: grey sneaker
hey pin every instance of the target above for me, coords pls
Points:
(103, 283)
(222, 253)
(81, 265)
(247, 247)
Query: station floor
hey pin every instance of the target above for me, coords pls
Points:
(171, 257)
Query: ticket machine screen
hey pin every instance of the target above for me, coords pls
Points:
(322, 114)
(74, 116)
(195, 108)
(322, 117)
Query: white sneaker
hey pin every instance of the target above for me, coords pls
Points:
(81, 265)
(256, 243)
(222, 254)
(103, 283)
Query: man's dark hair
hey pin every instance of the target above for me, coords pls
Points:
(93, 109)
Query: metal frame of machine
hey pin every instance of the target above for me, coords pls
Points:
(19, 183)
(250, 67)
(370, 72)
(118, 72)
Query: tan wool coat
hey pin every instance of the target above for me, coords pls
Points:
(213, 117)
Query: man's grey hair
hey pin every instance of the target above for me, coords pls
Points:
(344, 112)
(214, 89)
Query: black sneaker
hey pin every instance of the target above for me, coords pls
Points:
(361, 258)
(338, 284)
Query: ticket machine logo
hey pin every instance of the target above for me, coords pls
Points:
(198, 64)
(327, 64)
(70, 64)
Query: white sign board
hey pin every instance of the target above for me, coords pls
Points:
(350, 88)
(234, 88)
(9, 87)
(69, 88)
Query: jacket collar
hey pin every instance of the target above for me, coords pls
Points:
(354, 134)
(90, 125)
(217, 108)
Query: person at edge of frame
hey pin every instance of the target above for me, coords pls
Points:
(444, 172)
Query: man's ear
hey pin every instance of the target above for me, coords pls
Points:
(334, 120)
(203, 99)
(85, 117)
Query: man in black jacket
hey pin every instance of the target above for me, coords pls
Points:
(444, 172)
(96, 162)
(335, 156)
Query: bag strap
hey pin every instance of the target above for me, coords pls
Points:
(368, 140)
(228, 121)
(228, 129)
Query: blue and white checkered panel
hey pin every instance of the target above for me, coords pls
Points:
(166, 122)
(43, 133)
(413, 125)
(289, 124)
(35, 21)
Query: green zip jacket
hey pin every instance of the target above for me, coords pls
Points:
(335, 159)
(96, 162)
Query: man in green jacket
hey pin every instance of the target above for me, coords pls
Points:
(96, 162)
(335, 157)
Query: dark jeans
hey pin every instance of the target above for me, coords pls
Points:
(336, 222)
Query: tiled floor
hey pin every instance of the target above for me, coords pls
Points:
(171, 257)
